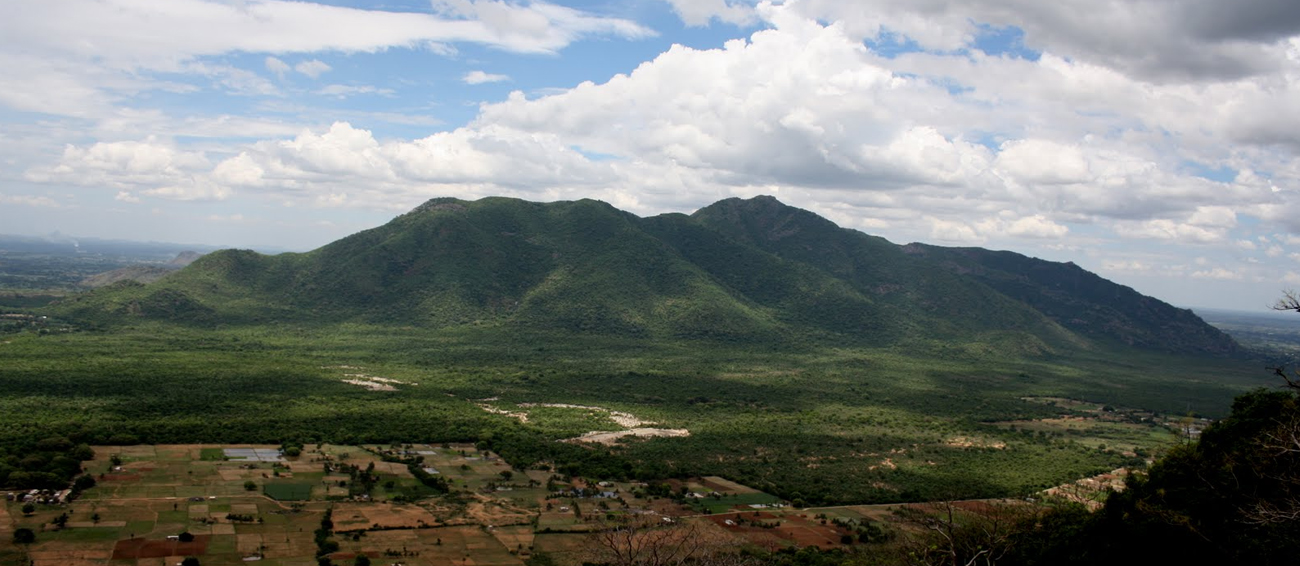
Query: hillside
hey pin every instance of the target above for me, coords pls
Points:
(1082, 301)
(751, 270)
(137, 273)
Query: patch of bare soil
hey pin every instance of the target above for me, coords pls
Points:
(606, 437)
(967, 442)
(370, 385)
(353, 376)
(523, 417)
(1090, 491)
(627, 420)
(886, 463)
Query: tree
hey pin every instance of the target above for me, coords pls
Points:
(190, 561)
(28, 509)
(82, 483)
(1282, 444)
(186, 537)
(950, 535)
(362, 560)
(24, 536)
(250, 486)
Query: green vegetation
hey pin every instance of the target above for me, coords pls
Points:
(797, 421)
(48, 463)
(752, 272)
(1231, 498)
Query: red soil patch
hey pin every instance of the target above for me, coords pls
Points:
(793, 528)
(135, 548)
(338, 556)
(121, 477)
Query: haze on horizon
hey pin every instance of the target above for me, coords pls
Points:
(1156, 143)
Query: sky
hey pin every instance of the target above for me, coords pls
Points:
(1154, 142)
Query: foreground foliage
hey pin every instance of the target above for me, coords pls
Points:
(1231, 498)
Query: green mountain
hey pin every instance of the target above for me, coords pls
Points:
(740, 270)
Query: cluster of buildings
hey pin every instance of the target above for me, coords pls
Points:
(40, 496)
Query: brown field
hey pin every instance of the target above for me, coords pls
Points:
(70, 557)
(162, 491)
(723, 485)
(134, 548)
(121, 477)
(362, 516)
(519, 538)
(468, 545)
(792, 529)
(6, 525)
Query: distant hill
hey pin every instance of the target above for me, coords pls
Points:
(738, 270)
(143, 273)
(137, 273)
(60, 244)
(184, 258)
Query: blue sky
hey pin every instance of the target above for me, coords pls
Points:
(1155, 142)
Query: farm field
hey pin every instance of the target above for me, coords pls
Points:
(148, 496)
(140, 506)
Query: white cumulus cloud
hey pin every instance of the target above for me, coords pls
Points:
(1217, 273)
(313, 68)
(481, 77)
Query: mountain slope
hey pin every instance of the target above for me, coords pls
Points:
(933, 303)
(736, 270)
(1082, 301)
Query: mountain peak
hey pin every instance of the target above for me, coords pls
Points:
(440, 203)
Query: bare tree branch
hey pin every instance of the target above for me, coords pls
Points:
(1290, 301)
(647, 541)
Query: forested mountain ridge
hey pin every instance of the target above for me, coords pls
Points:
(1083, 301)
(737, 270)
